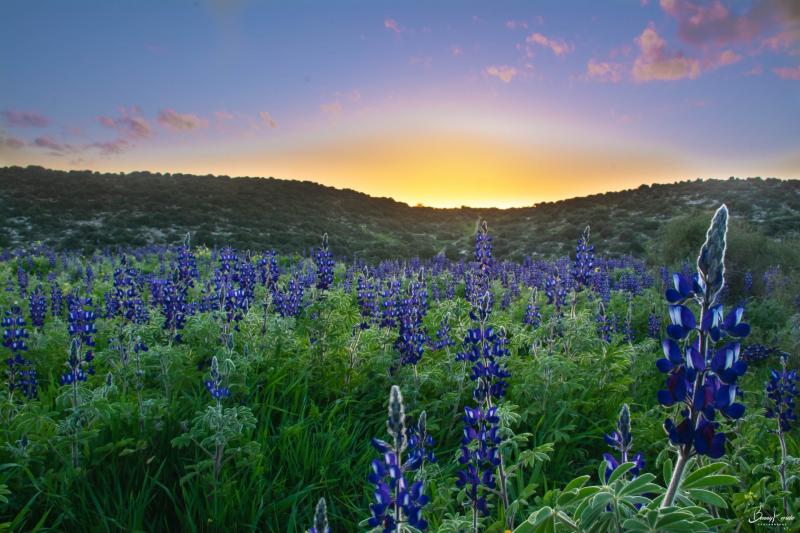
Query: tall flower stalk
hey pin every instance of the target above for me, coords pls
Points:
(396, 502)
(480, 454)
(702, 376)
(781, 394)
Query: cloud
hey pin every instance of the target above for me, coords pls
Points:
(722, 59)
(180, 122)
(267, 119)
(714, 22)
(502, 72)
(655, 62)
(111, 147)
(516, 24)
(223, 115)
(456, 50)
(558, 46)
(130, 124)
(788, 73)
(391, 24)
(25, 119)
(604, 71)
(12, 142)
(333, 109)
(50, 144)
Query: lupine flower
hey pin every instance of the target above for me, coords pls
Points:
(56, 300)
(22, 281)
(782, 392)
(215, 385)
(37, 306)
(622, 441)
(80, 322)
(443, 339)
(395, 501)
(367, 301)
(533, 316)
(420, 444)
(654, 325)
(755, 353)
(583, 266)
(702, 373)
(173, 309)
(323, 258)
(605, 324)
(411, 338)
(21, 374)
(485, 349)
(320, 518)
(781, 395)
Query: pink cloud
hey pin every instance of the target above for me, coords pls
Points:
(721, 59)
(25, 119)
(223, 115)
(180, 122)
(111, 147)
(604, 71)
(391, 24)
(655, 62)
(456, 51)
(558, 46)
(267, 119)
(130, 124)
(788, 73)
(502, 72)
(516, 24)
(715, 22)
(12, 142)
(50, 144)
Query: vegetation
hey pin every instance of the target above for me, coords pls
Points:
(188, 388)
(84, 210)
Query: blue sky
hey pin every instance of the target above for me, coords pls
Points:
(444, 103)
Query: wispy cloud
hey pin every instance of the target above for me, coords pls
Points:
(180, 121)
(558, 46)
(267, 119)
(656, 62)
(516, 24)
(788, 73)
(504, 73)
(54, 146)
(604, 71)
(11, 142)
(25, 119)
(111, 147)
(391, 24)
(131, 124)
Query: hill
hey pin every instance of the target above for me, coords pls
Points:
(89, 210)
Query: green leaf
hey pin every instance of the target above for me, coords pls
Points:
(702, 472)
(706, 496)
(711, 481)
(576, 483)
(618, 472)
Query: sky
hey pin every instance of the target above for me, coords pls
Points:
(446, 103)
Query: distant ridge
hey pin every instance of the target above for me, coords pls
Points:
(90, 210)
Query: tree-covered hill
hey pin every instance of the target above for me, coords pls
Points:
(87, 210)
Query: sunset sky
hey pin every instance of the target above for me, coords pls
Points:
(443, 103)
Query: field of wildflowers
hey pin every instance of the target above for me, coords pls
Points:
(184, 388)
